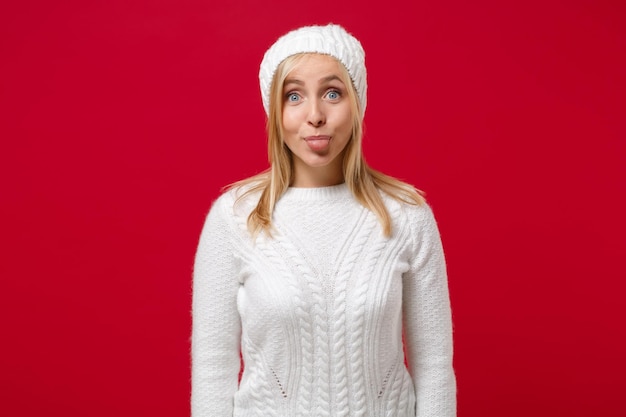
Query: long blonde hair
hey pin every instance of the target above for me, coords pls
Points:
(363, 181)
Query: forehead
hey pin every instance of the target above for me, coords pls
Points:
(315, 66)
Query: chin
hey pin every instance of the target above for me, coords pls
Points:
(318, 163)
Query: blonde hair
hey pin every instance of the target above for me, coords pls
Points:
(363, 181)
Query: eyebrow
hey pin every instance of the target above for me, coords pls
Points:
(324, 80)
(331, 78)
(293, 81)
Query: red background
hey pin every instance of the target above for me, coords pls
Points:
(121, 119)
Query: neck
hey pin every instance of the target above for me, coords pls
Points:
(314, 177)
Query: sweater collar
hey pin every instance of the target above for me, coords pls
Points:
(332, 192)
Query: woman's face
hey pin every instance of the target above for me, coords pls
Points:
(317, 120)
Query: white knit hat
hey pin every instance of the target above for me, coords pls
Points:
(331, 40)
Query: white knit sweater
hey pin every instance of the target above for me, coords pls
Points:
(319, 312)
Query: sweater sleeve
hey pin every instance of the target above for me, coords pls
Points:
(428, 321)
(216, 330)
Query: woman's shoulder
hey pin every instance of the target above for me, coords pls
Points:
(417, 214)
(236, 201)
(244, 195)
(228, 215)
(407, 199)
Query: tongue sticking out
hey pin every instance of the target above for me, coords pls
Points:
(318, 143)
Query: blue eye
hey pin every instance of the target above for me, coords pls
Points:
(293, 97)
(333, 95)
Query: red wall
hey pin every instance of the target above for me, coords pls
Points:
(121, 119)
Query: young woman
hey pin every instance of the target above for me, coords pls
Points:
(318, 269)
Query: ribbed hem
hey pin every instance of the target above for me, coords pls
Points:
(333, 192)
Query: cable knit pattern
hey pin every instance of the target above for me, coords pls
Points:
(318, 311)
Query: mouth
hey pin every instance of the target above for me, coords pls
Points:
(317, 138)
(317, 143)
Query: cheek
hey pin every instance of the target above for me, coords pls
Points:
(344, 120)
(290, 119)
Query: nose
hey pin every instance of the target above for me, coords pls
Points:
(316, 116)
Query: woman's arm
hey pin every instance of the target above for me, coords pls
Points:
(216, 333)
(427, 320)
